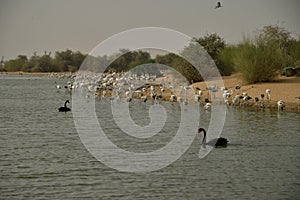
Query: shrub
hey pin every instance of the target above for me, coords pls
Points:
(226, 57)
(259, 60)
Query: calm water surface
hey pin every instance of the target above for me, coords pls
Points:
(42, 157)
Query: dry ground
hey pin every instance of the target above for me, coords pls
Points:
(283, 88)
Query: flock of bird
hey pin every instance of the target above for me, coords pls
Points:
(244, 99)
(146, 87)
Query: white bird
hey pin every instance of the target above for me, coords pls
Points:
(236, 99)
(58, 86)
(226, 95)
(207, 106)
(268, 92)
(200, 92)
(281, 105)
(127, 93)
(152, 88)
(172, 98)
(103, 93)
(197, 98)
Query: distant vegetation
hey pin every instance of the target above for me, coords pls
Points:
(258, 58)
(61, 62)
(261, 58)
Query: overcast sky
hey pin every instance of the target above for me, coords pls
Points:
(39, 25)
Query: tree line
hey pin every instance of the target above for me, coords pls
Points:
(63, 61)
(258, 58)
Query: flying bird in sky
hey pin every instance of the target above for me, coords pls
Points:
(218, 5)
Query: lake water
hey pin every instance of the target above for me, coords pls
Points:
(42, 156)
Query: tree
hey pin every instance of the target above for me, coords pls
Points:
(166, 59)
(259, 60)
(77, 59)
(16, 64)
(280, 35)
(2, 65)
(181, 65)
(65, 58)
(214, 44)
(277, 34)
(126, 60)
(295, 52)
(140, 57)
(44, 64)
(226, 57)
(262, 58)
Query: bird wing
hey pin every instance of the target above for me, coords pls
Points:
(212, 142)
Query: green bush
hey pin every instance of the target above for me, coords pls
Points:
(226, 57)
(295, 52)
(259, 60)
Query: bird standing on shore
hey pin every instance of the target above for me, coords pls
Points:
(262, 96)
(268, 92)
(238, 87)
(207, 106)
(281, 105)
(172, 98)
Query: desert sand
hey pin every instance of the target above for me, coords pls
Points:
(283, 88)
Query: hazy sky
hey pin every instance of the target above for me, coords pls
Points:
(39, 25)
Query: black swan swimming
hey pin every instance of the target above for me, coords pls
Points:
(217, 142)
(65, 108)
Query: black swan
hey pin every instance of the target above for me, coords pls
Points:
(65, 108)
(217, 142)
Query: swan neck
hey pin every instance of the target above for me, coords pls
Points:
(204, 137)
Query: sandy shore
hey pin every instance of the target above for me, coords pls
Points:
(37, 73)
(29, 73)
(283, 88)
